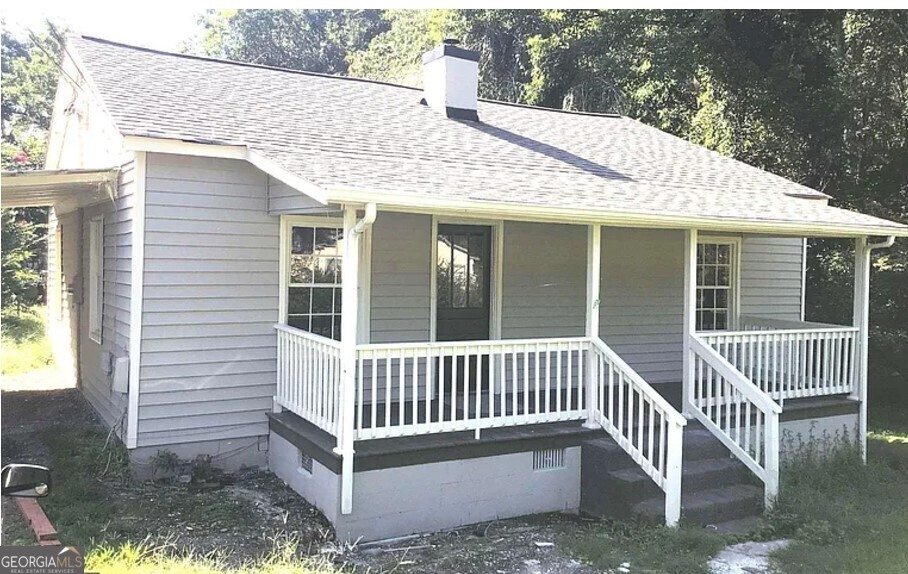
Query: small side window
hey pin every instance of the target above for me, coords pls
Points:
(96, 278)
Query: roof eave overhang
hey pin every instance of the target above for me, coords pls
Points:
(58, 187)
(491, 209)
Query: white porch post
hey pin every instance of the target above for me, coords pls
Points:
(690, 319)
(862, 322)
(593, 279)
(349, 322)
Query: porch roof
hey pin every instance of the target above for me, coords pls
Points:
(39, 188)
(359, 141)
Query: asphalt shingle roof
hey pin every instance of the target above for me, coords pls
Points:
(346, 133)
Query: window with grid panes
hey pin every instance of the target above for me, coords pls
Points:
(314, 279)
(715, 285)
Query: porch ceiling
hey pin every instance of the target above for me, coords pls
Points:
(39, 188)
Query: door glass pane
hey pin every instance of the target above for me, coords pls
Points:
(459, 259)
(443, 272)
(477, 273)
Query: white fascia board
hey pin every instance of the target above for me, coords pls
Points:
(179, 147)
(298, 183)
(227, 151)
(408, 202)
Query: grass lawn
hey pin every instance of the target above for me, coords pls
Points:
(24, 347)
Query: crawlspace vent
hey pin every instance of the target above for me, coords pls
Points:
(547, 459)
(305, 463)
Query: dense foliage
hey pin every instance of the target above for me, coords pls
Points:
(817, 96)
(29, 81)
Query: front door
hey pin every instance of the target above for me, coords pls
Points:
(462, 273)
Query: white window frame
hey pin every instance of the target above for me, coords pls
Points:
(288, 222)
(734, 293)
(96, 278)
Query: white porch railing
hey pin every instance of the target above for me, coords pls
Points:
(737, 412)
(308, 377)
(418, 388)
(790, 359)
(643, 423)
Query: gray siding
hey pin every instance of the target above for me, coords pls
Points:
(642, 299)
(401, 276)
(118, 223)
(771, 275)
(544, 280)
(210, 300)
(284, 199)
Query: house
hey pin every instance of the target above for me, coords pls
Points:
(421, 309)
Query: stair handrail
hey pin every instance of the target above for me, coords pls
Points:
(766, 430)
(662, 465)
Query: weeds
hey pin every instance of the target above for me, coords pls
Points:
(165, 557)
(25, 346)
(646, 547)
(842, 516)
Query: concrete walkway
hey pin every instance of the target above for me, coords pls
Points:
(746, 558)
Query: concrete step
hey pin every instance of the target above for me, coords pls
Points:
(696, 475)
(711, 506)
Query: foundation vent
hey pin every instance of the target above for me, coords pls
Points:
(305, 463)
(547, 459)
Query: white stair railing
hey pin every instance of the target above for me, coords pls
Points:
(643, 423)
(737, 412)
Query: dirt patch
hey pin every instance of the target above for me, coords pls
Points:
(528, 545)
(245, 514)
(94, 502)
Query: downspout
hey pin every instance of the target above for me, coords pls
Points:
(890, 241)
(369, 218)
(862, 314)
(349, 321)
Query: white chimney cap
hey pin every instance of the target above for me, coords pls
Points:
(451, 81)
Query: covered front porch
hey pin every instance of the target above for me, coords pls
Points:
(735, 371)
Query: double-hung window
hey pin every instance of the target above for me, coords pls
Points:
(96, 277)
(314, 278)
(717, 278)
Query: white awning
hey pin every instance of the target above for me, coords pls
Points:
(63, 188)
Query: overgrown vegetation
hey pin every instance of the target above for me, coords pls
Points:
(210, 523)
(149, 557)
(647, 548)
(844, 516)
(24, 346)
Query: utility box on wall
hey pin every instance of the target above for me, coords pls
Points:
(121, 375)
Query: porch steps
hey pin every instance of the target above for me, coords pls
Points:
(715, 487)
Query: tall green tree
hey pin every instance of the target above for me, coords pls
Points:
(313, 40)
(29, 68)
